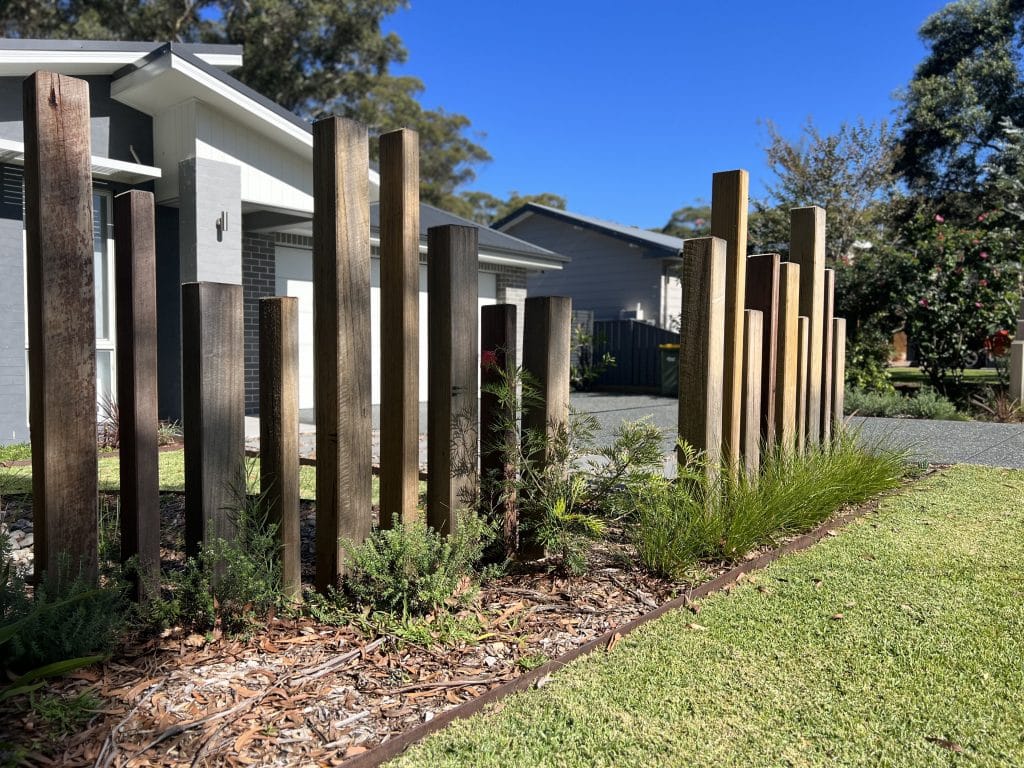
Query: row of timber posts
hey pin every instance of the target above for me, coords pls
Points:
(62, 363)
(762, 358)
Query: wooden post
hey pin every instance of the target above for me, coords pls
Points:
(279, 432)
(763, 295)
(547, 330)
(807, 248)
(341, 341)
(729, 204)
(787, 343)
(399, 326)
(453, 415)
(213, 410)
(135, 294)
(498, 435)
(838, 372)
(1017, 370)
(701, 345)
(61, 324)
(828, 311)
(751, 428)
(802, 356)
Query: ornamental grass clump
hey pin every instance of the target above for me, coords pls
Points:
(705, 516)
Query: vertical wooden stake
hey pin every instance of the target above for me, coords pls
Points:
(498, 435)
(135, 293)
(802, 356)
(807, 248)
(279, 432)
(701, 345)
(547, 330)
(399, 326)
(1017, 370)
(751, 428)
(763, 295)
(341, 341)
(787, 343)
(828, 311)
(61, 324)
(729, 204)
(453, 415)
(838, 371)
(213, 405)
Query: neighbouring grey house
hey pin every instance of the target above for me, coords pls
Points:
(616, 271)
(169, 118)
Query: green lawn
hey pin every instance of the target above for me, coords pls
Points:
(172, 476)
(898, 642)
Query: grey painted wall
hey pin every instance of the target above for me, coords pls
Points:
(606, 274)
(206, 188)
(117, 129)
(13, 408)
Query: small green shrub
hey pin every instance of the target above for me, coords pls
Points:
(16, 452)
(68, 617)
(926, 404)
(716, 516)
(64, 715)
(411, 569)
(232, 583)
(867, 361)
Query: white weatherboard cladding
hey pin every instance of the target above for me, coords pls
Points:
(295, 278)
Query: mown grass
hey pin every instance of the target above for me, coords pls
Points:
(18, 480)
(898, 642)
(913, 375)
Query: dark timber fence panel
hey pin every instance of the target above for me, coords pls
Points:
(634, 345)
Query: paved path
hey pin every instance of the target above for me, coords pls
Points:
(952, 442)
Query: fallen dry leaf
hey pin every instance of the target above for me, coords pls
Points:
(613, 641)
(952, 746)
(698, 627)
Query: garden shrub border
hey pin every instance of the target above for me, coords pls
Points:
(394, 747)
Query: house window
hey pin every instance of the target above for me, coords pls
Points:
(103, 264)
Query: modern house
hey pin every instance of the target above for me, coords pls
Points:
(618, 272)
(231, 172)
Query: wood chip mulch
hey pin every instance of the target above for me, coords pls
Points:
(304, 693)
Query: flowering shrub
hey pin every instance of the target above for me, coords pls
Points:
(964, 292)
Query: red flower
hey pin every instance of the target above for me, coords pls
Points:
(923, 302)
(938, 218)
(983, 255)
(983, 282)
(977, 305)
(489, 358)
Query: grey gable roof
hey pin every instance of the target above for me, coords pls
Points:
(29, 44)
(490, 239)
(670, 244)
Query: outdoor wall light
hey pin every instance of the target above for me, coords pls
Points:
(222, 222)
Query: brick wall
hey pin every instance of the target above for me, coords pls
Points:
(258, 281)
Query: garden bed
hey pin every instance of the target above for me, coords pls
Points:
(305, 692)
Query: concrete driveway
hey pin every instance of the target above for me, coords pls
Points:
(944, 442)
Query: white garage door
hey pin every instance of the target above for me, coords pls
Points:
(295, 278)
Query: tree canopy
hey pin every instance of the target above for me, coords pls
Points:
(967, 84)
(314, 57)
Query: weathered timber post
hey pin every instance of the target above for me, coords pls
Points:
(827, 315)
(752, 368)
(838, 371)
(498, 434)
(61, 324)
(729, 204)
(1017, 370)
(135, 293)
(701, 345)
(279, 432)
(802, 383)
(787, 343)
(399, 326)
(547, 331)
(341, 341)
(807, 248)
(763, 295)
(452, 375)
(213, 410)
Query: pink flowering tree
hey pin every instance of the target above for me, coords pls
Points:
(965, 289)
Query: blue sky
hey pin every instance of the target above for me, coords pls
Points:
(627, 109)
